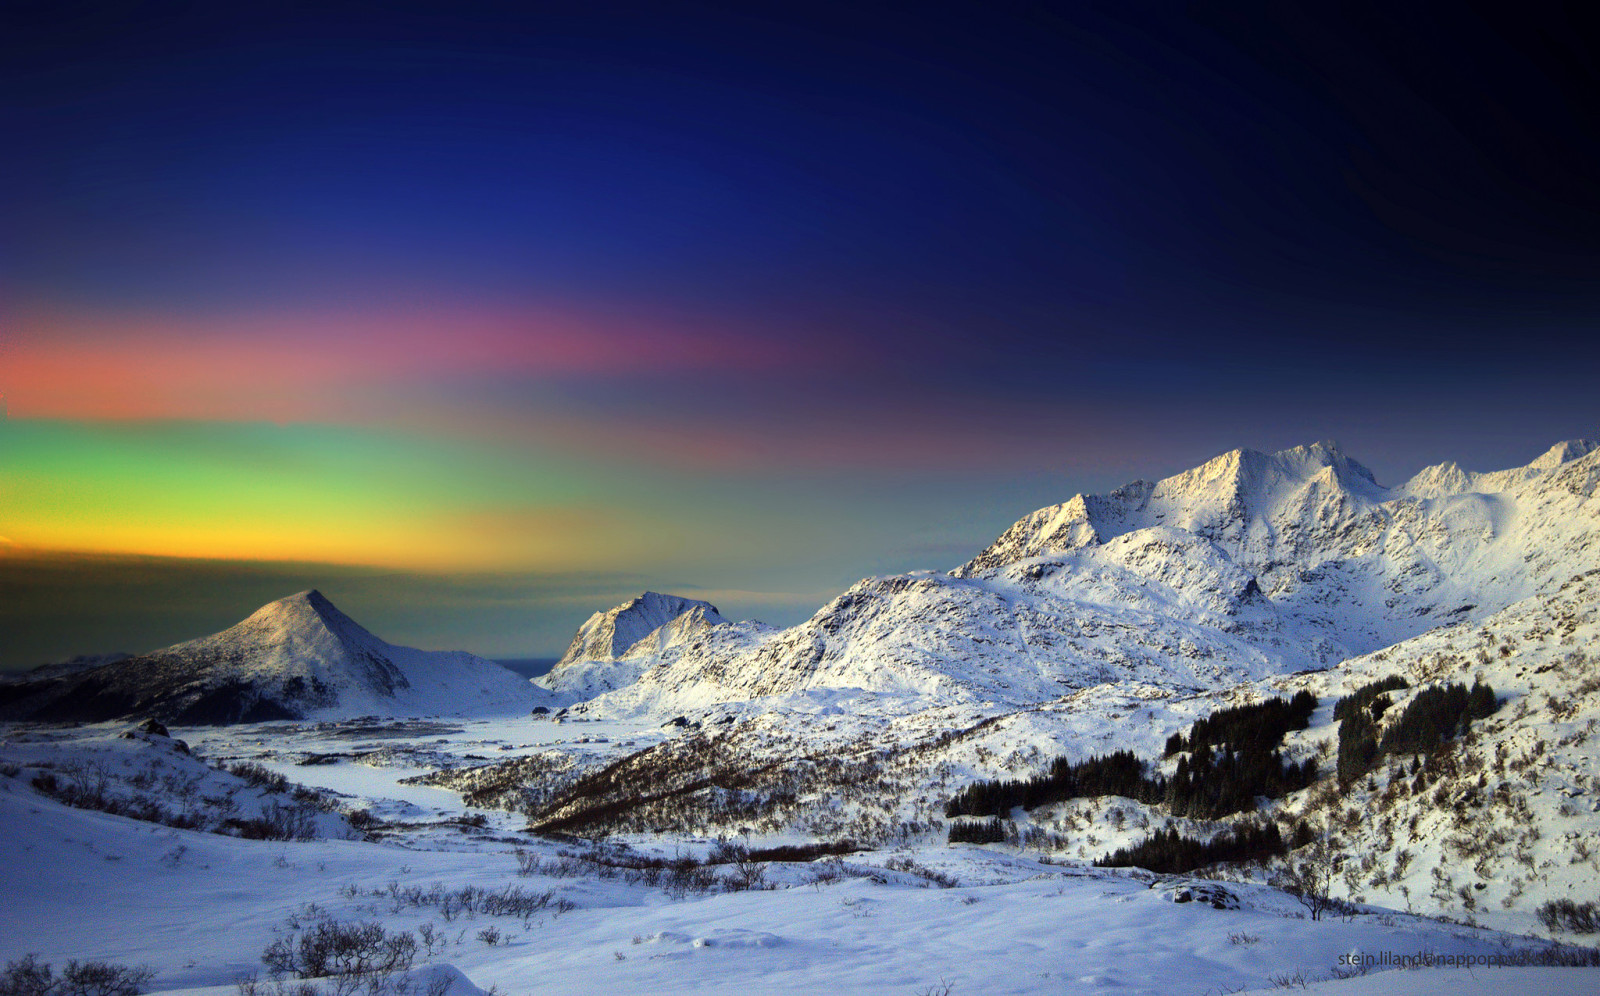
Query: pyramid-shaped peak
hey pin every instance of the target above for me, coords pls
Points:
(304, 613)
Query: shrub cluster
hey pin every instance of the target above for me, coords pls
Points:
(31, 977)
(677, 876)
(1367, 697)
(259, 776)
(1564, 914)
(1170, 853)
(293, 822)
(1437, 714)
(472, 900)
(90, 795)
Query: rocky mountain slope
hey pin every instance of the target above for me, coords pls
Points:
(613, 648)
(1250, 565)
(296, 658)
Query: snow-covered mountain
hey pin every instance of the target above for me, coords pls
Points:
(296, 658)
(613, 648)
(1250, 565)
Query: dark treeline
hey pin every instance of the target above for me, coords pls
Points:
(1366, 697)
(1208, 784)
(980, 832)
(1170, 853)
(1256, 728)
(1434, 715)
(1120, 773)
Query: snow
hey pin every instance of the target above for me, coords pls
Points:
(1248, 566)
(207, 905)
(1106, 622)
(296, 657)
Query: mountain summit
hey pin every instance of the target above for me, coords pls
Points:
(612, 648)
(296, 658)
(1249, 565)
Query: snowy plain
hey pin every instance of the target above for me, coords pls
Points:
(200, 907)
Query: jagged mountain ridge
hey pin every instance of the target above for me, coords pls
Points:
(613, 648)
(296, 658)
(1249, 565)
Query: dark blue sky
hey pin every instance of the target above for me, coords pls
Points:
(884, 256)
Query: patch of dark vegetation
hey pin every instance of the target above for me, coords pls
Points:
(276, 822)
(1171, 853)
(1434, 716)
(470, 900)
(259, 776)
(1438, 714)
(1366, 698)
(1209, 783)
(804, 852)
(991, 831)
(1210, 786)
(1120, 773)
(1256, 728)
(88, 786)
(928, 875)
(353, 957)
(143, 792)
(518, 785)
(703, 782)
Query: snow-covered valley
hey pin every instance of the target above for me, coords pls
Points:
(701, 805)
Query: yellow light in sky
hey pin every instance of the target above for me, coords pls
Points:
(263, 492)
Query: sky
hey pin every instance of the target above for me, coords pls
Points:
(481, 318)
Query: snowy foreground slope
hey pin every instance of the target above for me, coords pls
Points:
(294, 658)
(200, 908)
(727, 808)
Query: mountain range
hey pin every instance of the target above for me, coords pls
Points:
(1250, 565)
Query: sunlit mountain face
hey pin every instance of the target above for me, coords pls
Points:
(481, 321)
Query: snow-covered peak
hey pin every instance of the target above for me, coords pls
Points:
(1237, 494)
(1250, 484)
(1564, 452)
(297, 657)
(305, 618)
(1442, 480)
(607, 636)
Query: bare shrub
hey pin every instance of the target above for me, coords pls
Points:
(352, 954)
(1564, 914)
(259, 776)
(31, 977)
(929, 875)
(297, 822)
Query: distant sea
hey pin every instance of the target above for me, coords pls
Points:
(530, 667)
